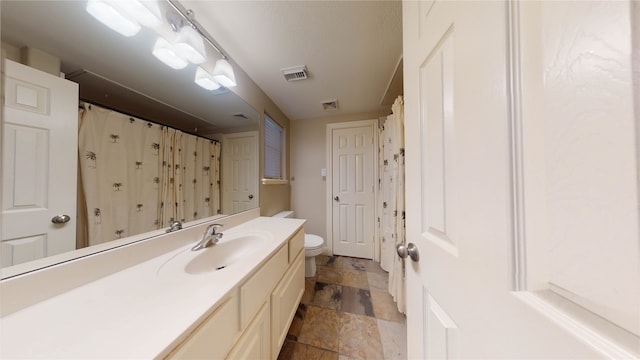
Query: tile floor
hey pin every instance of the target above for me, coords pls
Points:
(346, 313)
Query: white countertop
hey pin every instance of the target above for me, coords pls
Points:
(133, 313)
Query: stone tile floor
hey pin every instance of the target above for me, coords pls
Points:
(346, 313)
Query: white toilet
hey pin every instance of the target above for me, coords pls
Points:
(313, 246)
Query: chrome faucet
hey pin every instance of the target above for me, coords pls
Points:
(210, 237)
(174, 226)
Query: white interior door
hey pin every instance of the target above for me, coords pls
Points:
(39, 164)
(353, 174)
(516, 238)
(239, 172)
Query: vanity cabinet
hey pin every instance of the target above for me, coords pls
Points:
(253, 321)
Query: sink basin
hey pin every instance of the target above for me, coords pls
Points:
(223, 254)
(229, 251)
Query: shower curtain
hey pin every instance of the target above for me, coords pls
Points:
(391, 207)
(123, 181)
(189, 177)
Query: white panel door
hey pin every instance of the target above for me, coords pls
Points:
(483, 286)
(581, 148)
(39, 157)
(239, 172)
(353, 178)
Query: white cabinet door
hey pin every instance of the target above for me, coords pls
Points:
(284, 303)
(39, 164)
(522, 190)
(254, 343)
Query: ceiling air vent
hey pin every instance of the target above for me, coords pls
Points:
(330, 105)
(295, 73)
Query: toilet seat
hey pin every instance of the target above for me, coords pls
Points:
(312, 241)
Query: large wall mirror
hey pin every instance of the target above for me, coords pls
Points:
(120, 74)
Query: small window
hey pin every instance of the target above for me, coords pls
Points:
(273, 151)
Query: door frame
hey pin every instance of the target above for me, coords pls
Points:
(373, 123)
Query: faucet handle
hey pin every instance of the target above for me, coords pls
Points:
(174, 226)
(211, 229)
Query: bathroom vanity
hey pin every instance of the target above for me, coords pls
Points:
(253, 318)
(158, 299)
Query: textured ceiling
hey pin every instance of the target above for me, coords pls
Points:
(351, 49)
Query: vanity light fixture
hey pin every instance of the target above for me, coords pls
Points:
(206, 80)
(191, 44)
(114, 17)
(165, 52)
(223, 73)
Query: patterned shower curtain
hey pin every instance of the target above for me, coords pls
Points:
(392, 220)
(122, 180)
(189, 177)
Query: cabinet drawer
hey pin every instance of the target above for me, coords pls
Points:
(259, 286)
(295, 245)
(214, 337)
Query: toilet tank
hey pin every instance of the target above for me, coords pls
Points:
(284, 214)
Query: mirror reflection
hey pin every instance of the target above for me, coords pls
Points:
(150, 145)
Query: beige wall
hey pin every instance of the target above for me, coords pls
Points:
(308, 157)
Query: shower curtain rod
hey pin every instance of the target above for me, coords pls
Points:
(109, 107)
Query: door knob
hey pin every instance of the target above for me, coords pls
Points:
(60, 219)
(250, 196)
(336, 198)
(410, 250)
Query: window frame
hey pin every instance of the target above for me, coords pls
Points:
(269, 122)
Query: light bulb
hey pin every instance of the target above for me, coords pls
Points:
(223, 73)
(145, 11)
(205, 79)
(113, 17)
(166, 53)
(191, 45)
